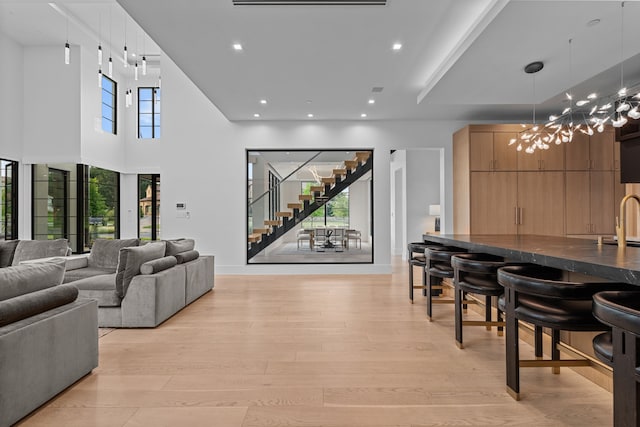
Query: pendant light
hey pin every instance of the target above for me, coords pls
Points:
(99, 54)
(125, 55)
(135, 72)
(100, 78)
(99, 40)
(67, 49)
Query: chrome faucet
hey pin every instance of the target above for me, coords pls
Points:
(620, 224)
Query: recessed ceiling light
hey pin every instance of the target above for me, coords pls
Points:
(363, 115)
(372, 101)
(263, 101)
(133, 54)
(256, 115)
(237, 46)
(397, 46)
(310, 115)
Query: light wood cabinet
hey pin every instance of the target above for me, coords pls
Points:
(495, 212)
(490, 151)
(570, 189)
(541, 203)
(590, 197)
(595, 152)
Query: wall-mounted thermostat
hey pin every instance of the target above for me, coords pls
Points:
(181, 206)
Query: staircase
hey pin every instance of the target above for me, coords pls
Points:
(329, 187)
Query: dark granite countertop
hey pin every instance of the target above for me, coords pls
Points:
(571, 254)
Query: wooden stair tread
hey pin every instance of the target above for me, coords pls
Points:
(351, 164)
(362, 155)
(317, 188)
(339, 172)
(273, 222)
(294, 205)
(261, 230)
(328, 180)
(284, 214)
(305, 197)
(253, 238)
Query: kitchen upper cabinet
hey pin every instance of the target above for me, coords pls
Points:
(541, 160)
(595, 152)
(490, 151)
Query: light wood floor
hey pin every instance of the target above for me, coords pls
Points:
(315, 351)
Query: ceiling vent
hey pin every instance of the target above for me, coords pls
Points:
(309, 2)
(377, 89)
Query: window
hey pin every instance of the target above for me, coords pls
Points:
(8, 199)
(101, 204)
(109, 112)
(334, 213)
(149, 202)
(148, 112)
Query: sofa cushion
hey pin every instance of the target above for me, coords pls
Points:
(158, 265)
(35, 249)
(187, 256)
(82, 273)
(100, 288)
(179, 245)
(7, 248)
(26, 278)
(27, 305)
(130, 261)
(105, 252)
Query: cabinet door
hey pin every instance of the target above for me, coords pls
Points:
(553, 158)
(505, 156)
(481, 151)
(616, 156)
(541, 201)
(619, 191)
(528, 162)
(493, 202)
(601, 150)
(602, 202)
(577, 153)
(578, 203)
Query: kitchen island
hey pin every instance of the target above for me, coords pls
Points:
(571, 254)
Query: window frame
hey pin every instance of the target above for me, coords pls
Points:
(154, 100)
(114, 99)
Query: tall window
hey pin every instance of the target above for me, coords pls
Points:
(8, 199)
(148, 112)
(109, 112)
(274, 195)
(101, 203)
(149, 211)
(51, 217)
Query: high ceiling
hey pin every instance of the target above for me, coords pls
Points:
(460, 59)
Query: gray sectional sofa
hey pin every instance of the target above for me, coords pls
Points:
(48, 337)
(13, 252)
(150, 283)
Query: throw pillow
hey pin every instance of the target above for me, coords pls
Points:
(26, 278)
(180, 245)
(105, 252)
(158, 265)
(130, 261)
(187, 256)
(27, 305)
(36, 249)
(7, 249)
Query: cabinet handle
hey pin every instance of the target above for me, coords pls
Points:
(616, 164)
(490, 164)
(515, 211)
(543, 165)
(520, 215)
(495, 165)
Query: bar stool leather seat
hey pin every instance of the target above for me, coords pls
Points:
(417, 258)
(476, 273)
(438, 267)
(540, 296)
(619, 349)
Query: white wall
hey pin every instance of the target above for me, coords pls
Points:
(423, 189)
(398, 202)
(11, 99)
(51, 106)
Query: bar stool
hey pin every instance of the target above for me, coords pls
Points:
(620, 349)
(539, 296)
(417, 259)
(438, 267)
(476, 273)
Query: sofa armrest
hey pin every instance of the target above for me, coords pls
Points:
(27, 305)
